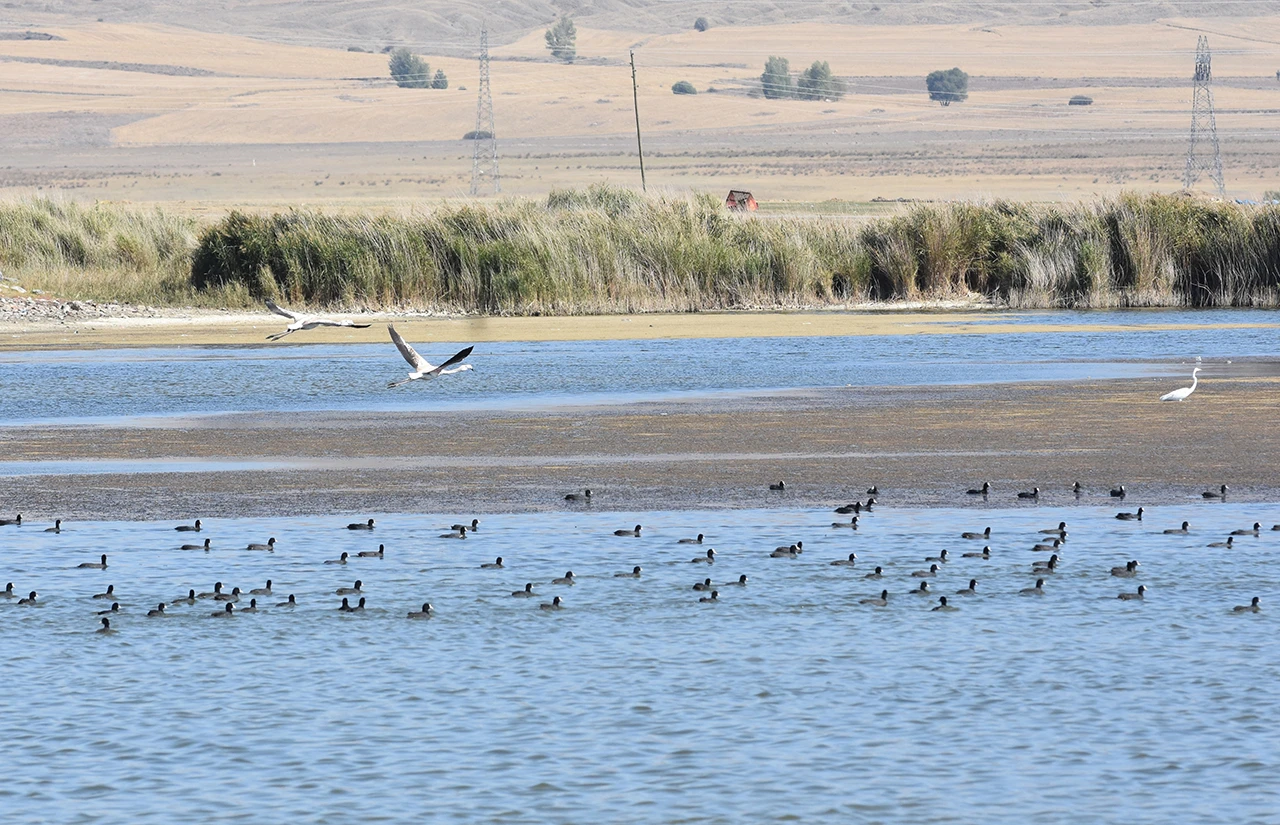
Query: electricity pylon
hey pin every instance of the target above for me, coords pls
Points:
(1203, 126)
(484, 158)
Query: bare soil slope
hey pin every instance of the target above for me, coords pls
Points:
(435, 25)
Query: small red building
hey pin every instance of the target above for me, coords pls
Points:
(741, 201)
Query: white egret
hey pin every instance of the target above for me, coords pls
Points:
(1181, 394)
(423, 369)
(301, 321)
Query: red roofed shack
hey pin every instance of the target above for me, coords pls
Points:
(740, 201)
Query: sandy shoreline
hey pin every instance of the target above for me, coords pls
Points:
(922, 446)
(215, 328)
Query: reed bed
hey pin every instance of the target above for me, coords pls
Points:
(105, 253)
(608, 250)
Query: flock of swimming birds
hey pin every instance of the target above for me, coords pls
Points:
(1052, 542)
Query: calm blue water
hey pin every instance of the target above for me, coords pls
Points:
(788, 700)
(42, 386)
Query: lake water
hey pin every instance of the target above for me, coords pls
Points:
(788, 700)
(98, 384)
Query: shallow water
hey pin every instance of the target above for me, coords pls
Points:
(105, 384)
(788, 700)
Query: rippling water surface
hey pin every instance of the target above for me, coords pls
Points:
(787, 700)
(38, 386)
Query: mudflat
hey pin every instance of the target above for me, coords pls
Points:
(921, 446)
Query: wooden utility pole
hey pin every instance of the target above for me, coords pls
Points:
(635, 101)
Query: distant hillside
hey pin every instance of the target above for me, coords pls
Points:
(437, 27)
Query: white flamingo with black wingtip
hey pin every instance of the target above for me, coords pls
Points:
(422, 368)
(301, 321)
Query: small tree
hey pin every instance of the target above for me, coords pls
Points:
(562, 40)
(409, 70)
(440, 81)
(948, 86)
(702, 25)
(776, 79)
(683, 87)
(818, 83)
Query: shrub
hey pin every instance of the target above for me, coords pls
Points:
(562, 40)
(817, 83)
(776, 79)
(440, 81)
(478, 134)
(409, 70)
(1080, 100)
(948, 86)
(683, 87)
(702, 25)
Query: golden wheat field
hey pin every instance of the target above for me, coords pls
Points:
(149, 112)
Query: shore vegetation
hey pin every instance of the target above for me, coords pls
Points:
(611, 250)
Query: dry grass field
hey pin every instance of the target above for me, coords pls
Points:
(151, 112)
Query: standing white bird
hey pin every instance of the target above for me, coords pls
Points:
(1181, 394)
(423, 369)
(301, 321)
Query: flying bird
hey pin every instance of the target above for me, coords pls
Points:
(423, 369)
(1181, 394)
(301, 321)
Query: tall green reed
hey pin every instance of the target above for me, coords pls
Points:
(606, 249)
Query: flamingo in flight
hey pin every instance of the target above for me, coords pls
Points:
(421, 367)
(301, 321)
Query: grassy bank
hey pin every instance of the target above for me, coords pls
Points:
(611, 250)
(105, 253)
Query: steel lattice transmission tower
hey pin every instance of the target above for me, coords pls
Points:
(484, 158)
(1204, 128)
